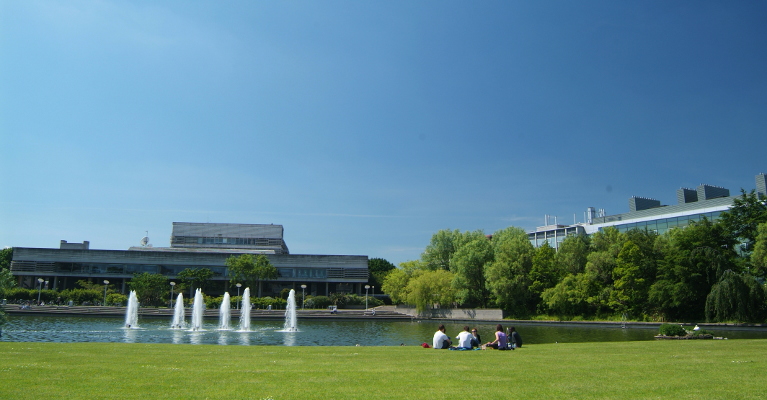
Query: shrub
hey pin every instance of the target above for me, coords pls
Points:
(321, 302)
(263, 302)
(117, 299)
(80, 296)
(672, 330)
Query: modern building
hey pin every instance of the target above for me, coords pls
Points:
(193, 245)
(644, 213)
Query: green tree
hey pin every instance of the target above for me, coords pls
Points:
(6, 256)
(759, 256)
(507, 276)
(250, 270)
(743, 218)
(572, 254)
(468, 265)
(395, 285)
(544, 273)
(150, 288)
(693, 260)
(7, 281)
(571, 296)
(443, 245)
(378, 268)
(195, 278)
(630, 288)
(431, 289)
(736, 297)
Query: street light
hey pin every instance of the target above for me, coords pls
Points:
(366, 296)
(40, 291)
(106, 282)
(303, 296)
(239, 285)
(172, 284)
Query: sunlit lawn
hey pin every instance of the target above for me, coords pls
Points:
(710, 369)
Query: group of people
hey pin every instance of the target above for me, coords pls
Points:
(469, 339)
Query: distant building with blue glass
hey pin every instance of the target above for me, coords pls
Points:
(705, 201)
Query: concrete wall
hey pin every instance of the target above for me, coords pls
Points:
(484, 314)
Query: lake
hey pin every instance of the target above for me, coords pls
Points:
(312, 332)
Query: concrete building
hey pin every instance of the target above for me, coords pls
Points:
(193, 245)
(692, 205)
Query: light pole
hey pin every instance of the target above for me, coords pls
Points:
(239, 285)
(366, 296)
(40, 291)
(303, 296)
(106, 282)
(172, 284)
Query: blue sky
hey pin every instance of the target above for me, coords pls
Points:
(365, 127)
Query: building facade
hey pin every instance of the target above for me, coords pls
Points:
(706, 201)
(193, 245)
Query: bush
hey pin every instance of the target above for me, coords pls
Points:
(80, 296)
(117, 299)
(672, 330)
(263, 302)
(320, 302)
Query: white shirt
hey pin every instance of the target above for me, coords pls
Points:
(464, 339)
(439, 339)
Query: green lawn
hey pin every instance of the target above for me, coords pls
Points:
(700, 369)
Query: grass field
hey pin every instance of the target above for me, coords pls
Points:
(700, 369)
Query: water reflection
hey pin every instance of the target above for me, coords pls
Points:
(129, 335)
(178, 336)
(244, 339)
(313, 332)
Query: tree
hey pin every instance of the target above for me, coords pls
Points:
(7, 281)
(195, 278)
(430, 288)
(507, 276)
(468, 265)
(544, 273)
(149, 288)
(572, 253)
(693, 260)
(378, 268)
(443, 245)
(736, 297)
(629, 287)
(759, 256)
(250, 270)
(6, 256)
(395, 285)
(743, 218)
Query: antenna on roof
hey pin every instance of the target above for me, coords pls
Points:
(145, 240)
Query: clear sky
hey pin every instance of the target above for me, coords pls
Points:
(363, 127)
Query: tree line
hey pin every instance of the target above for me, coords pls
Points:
(708, 270)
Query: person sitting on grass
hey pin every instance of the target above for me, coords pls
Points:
(464, 338)
(514, 338)
(441, 340)
(501, 341)
(476, 340)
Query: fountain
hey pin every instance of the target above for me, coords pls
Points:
(224, 315)
(198, 309)
(178, 314)
(245, 311)
(290, 313)
(131, 313)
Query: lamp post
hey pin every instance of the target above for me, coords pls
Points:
(303, 296)
(106, 282)
(366, 296)
(40, 291)
(172, 284)
(239, 285)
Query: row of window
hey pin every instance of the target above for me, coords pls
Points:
(128, 269)
(226, 240)
(661, 226)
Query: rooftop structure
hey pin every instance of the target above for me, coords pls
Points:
(707, 201)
